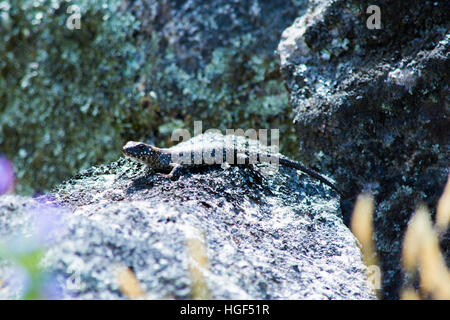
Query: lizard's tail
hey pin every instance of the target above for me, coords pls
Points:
(310, 172)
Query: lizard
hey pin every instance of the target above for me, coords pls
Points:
(174, 159)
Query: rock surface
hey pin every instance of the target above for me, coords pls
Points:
(277, 236)
(378, 102)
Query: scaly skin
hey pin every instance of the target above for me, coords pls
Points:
(173, 160)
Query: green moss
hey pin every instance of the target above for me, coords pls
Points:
(238, 88)
(62, 91)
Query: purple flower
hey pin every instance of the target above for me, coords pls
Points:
(18, 279)
(49, 223)
(6, 175)
(51, 288)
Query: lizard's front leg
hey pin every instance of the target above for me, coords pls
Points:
(176, 168)
(144, 171)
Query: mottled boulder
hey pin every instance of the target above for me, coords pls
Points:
(372, 106)
(265, 236)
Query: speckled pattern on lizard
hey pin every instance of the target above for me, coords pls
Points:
(212, 149)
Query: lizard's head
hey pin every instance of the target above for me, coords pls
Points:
(141, 152)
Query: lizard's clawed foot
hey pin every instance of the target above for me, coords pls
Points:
(142, 172)
(169, 176)
(165, 176)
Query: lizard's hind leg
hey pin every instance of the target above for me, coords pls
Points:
(245, 160)
(174, 173)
